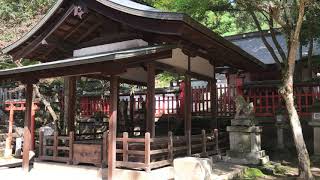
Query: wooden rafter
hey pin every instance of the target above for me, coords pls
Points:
(77, 27)
(89, 31)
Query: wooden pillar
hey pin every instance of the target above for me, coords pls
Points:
(131, 113)
(114, 86)
(188, 107)
(213, 102)
(69, 103)
(32, 126)
(27, 141)
(8, 149)
(188, 103)
(150, 104)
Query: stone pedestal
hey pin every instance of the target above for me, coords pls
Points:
(280, 135)
(245, 143)
(280, 125)
(315, 123)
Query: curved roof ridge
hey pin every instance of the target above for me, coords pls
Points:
(35, 28)
(135, 5)
(135, 10)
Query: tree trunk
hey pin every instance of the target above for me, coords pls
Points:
(286, 92)
(47, 106)
(43, 100)
(303, 155)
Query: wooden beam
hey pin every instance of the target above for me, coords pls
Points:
(121, 80)
(150, 104)
(176, 70)
(114, 89)
(69, 103)
(77, 27)
(89, 31)
(110, 38)
(61, 44)
(109, 67)
(27, 128)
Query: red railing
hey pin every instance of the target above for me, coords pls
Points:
(167, 103)
(266, 100)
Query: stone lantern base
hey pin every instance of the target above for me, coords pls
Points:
(316, 138)
(245, 143)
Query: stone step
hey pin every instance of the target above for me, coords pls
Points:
(258, 157)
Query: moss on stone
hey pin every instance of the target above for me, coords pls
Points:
(252, 173)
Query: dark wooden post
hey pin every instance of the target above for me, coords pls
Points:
(170, 147)
(71, 139)
(27, 141)
(188, 103)
(125, 146)
(213, 102)
(147, 153)
(204, 143)
(114, 85)
(216, 135)
(105, 148)
(188, 107)
(132, 103)
(8, 150)
(69, 103)
(41, 134)
(150, 105)
(55, 145)
(33, 122)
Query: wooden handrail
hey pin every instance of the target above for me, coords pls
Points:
(43, 147)
(168, 148)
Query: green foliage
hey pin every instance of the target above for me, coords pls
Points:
(164, 79)
(311, 24)
(16, 11)
(252, 173)
(220, 16)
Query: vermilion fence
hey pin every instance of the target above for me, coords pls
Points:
(166, 102)
(267, 101)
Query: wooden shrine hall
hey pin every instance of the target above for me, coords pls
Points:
(123, 42)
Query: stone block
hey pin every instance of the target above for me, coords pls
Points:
(253, 129)
(315, 117)
(316, 136)
(191, 168)
(245, 145)
(256, 155)
(242, 122)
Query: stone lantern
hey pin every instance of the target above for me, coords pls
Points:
(245, 136)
